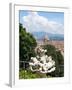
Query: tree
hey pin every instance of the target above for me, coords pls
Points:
(58, 58)
(61, 63)
(27, 44)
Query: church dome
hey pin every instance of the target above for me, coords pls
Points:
(46, 37)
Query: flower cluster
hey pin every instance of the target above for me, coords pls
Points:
(42, 62)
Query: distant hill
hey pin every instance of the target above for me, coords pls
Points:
(41, 35)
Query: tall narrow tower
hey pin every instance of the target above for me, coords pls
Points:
(46, 39)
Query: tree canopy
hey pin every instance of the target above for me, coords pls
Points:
(27, 44)
(59, 60)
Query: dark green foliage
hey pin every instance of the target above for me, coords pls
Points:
(51, 51)
(58, 58)
(27, 44)
(61, 63)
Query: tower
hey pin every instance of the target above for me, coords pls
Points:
(46, 39)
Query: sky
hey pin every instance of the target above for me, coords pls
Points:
(40, 21)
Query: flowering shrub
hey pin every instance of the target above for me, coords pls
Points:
(42, 63)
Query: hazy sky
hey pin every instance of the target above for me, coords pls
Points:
(51, 22)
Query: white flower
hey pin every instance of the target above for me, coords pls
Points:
(34, 59)
(51, 70)
(40, 64)
(43, 59)
(40, 69)
(50, 58)
(45, 50)
(31, 64)
(49, 65)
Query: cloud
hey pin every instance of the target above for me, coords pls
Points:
(36, 23)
